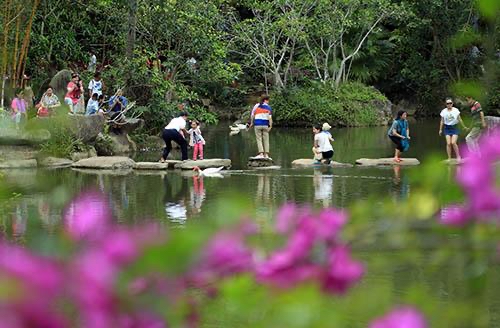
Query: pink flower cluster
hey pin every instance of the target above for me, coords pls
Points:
(477, 177)
(401, 317)
(85, 283)
(85, 289)
(312, 252)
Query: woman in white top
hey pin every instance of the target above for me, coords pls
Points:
(450, 117)
(322, 145)
(175, 131)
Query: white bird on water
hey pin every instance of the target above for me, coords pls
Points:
(209, 172)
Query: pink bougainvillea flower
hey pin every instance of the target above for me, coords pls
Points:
(88, 215)
(286, 218)
(41, 275)
(402, 317)
(342, 271)
(455, 215)
(331, 223)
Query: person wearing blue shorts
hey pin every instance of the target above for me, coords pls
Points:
(450, 117)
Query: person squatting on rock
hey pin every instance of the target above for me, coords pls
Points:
(322, 145)
(175, 131)
(399, 133)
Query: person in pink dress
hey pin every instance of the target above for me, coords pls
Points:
(19, 108)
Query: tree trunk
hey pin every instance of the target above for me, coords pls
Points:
(132, 22)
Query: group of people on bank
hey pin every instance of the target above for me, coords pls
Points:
(399, 131)
(262, 122)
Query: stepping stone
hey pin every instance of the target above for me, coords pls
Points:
(272, 167)
(151, 166)
(386, 161)
(259, 162)
(55, 162)
(112, 172)
(204, 163)
(18, 164)
(308, 162)
(105, 163)
(454, 161)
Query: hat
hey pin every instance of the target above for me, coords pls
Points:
(326, 127)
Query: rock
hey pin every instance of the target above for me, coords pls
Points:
(306, 162)
(105, 163)
(59, 83)
(54, 162)
(492, 121)
(21, 137)
(272, 167)
(454, 161)
(132, 124)
(384, 111)
(152, 143)
(112, 172)
(87, 128)
(259, 162)
(75, 157)
(151, 166)
(386, 161)
(18, 164)
(204, 163)
(411, 107)
(114, 144)
(9, 152)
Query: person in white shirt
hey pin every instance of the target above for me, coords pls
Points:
(93, 105)
(96, 85)
(322, 144)
(172, 132)
(450, 117)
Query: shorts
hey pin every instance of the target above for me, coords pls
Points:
(327, 154)
(397, 141)
(451, 130)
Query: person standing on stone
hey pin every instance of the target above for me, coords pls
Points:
(262, 121)
(96, 85)
(196, 140)
(73, 97)
(450, 117)
(478, 124)
(175, 131)
(399, 133)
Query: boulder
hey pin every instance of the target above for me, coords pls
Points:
(384, 109)
(204, 163)
(152, 143)
(272, 167)
(386, 161)
(132, 124)
(307, 162)
(151, 166)
(21, 137)
(9, 152)
(492, 121)
(87, 128)
(114, 144)
(59, 83)
(18, 164)
(91, 152)
(54, 162)
(105, 163)
(411, 107)
(259, 162)
(112, 172)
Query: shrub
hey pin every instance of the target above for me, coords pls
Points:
(353, 104)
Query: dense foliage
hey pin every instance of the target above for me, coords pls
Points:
(170, 52)
(352, 104)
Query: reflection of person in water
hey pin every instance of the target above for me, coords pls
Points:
(323, 188)
(264, 208)
(197, 194)
(400, 185)
(175, 203)
(19, 220)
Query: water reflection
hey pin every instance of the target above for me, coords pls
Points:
(197, 193)
(174, 199)
(323, 187)
(401, 184)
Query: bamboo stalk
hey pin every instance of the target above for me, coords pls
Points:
(3, 71)
(16, 44)
(24, 50)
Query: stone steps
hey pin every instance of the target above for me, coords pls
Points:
(386, 161)
(308, 162)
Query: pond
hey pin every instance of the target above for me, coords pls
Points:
(397, 261)
(176, 197)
